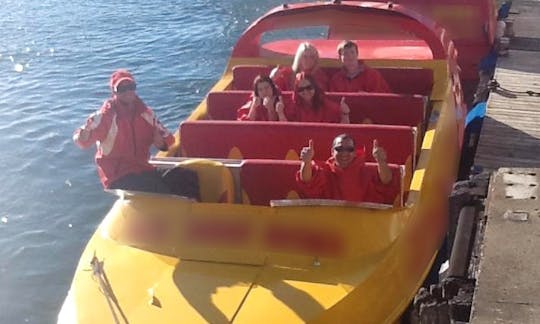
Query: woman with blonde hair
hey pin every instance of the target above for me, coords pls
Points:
(305, 61)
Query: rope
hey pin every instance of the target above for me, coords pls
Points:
(495, 86)
(105, 287)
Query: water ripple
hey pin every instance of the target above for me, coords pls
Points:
(50, 193)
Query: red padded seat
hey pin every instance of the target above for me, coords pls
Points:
(381, 108)
(401, 80)
(266, 180)
(279, 140)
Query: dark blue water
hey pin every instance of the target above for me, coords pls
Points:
(55, 61)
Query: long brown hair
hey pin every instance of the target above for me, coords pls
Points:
(318, 96)
(264, 78)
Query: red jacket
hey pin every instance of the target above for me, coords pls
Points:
(123, 137)
(354, 183)
(369, 80)
(330, 112)
(261, 113)
(284, 78)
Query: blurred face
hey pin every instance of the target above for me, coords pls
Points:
(125, 92)
(349, 58)
(264, 89)
(306, 90)
(308, 60)
(343, 152)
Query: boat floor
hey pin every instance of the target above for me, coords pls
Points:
(152, 287)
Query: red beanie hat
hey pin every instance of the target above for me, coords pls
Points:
(119, 76)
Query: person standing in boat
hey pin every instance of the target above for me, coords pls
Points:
(265, 102)
(305, 61)
(355, 75)
(344, 176)
(124, 129)
(310, 104)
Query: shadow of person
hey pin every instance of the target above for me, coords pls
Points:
(295, 299)
(200, 282)
(217, 291)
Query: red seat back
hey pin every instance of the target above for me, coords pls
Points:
(278, 140)
(243, 75)
(401, 80)
(222, 105)
(384, 108)
(380, 108)
(266, 180)
(409, 80)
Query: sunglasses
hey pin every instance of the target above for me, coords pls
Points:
(126, 87)
(308, 87)
(348, 149)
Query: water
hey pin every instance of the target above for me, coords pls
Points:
(55, 61)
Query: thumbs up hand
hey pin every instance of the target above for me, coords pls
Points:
(280, 107)
(379, 154)
(345, 110)
(307, 153)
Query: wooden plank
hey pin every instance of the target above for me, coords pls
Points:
(510, 133)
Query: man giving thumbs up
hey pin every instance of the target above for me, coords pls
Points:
(343, 176)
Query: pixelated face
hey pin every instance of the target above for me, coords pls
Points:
(264, 89)
(306, 90)
(349, 57)
(125, 91)
(343, 152)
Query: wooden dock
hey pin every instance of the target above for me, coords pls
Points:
(510, 134)
(508, 283)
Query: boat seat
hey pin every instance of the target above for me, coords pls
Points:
(223, 105)
(216, 183)
(380, 108)
(283, 141)
(263, 181)
(401, 80)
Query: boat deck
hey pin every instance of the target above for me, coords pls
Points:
(508, 282)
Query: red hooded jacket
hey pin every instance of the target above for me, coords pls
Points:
(261, 113)
(354, 183)
(329, 112)
(123, 136)
(369, 80)
(284, 78)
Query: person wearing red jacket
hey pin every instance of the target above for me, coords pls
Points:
(264, 103)
(306, 60)
(124, 129)
(311, 105)
(355, 76)
(343, 176)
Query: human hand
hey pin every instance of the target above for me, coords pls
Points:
(268, 103)
(379, 154)
(367, 120)
(257, 101)
(280, 110)
(158, 139)
(307, 153)
(344, 107)
(280, 107)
